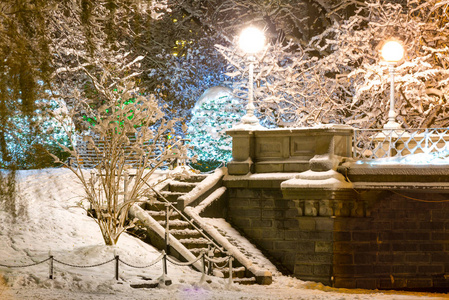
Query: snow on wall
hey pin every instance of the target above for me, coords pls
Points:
(433, 158)
(310, 179)
(209, 200)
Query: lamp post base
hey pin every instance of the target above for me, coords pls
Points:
(250, 119)
(392, 125)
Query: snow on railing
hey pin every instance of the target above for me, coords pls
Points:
(418, 146)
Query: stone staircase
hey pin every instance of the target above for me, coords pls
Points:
(196, 241)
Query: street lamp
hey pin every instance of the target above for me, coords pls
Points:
(251, 41)
(392, 52)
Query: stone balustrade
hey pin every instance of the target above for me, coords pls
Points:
(289, 150)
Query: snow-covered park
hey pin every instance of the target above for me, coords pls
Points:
(51, 222)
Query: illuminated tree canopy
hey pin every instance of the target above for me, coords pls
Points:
(321, 66)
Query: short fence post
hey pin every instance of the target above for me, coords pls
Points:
(164, 278)
(203, 271)
(230, 269)
(210, 254)
(51, 267)
(116, 266)
(167, 229)
(164, 258)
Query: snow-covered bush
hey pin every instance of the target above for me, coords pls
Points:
(126, 131)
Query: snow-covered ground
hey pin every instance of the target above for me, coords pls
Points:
(51, 222)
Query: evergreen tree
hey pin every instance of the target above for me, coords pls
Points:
(215, 112)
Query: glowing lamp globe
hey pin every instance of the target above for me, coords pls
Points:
(251, 40)
(392, 51)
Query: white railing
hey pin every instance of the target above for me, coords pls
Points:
(372, 144)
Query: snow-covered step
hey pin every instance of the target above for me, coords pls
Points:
(245, 280)
(175, 224)
(193, 178)
(185, 233)
(160, 215)
(197, 251)
(237, 272)
(171, 196)
(157, 206)
(182, 187)
(191, 243)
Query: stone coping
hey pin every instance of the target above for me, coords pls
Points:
(415, 186)
(395, 175)
(323, 129)
(258, 180)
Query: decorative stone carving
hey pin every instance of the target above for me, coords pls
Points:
(310, 209)
(326, 209)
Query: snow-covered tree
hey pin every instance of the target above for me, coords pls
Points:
(40, 39)
(339, 77)
(216, 111)
(44, 42)
(127, 132)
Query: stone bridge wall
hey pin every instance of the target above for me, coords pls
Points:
(375, 227)
(398, 243)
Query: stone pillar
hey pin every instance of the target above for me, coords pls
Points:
(323, 197)
(242, 152)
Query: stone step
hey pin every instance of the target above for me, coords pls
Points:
(176, 224)
(245, 280)
(181, 187)
(160, 215)
(185, 233)
(197, 251)
(157, 206)
(192, 178)
(237, 272)
(192, 243)
(171, 196)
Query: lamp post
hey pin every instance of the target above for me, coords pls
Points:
(392, 52)
(251, 41)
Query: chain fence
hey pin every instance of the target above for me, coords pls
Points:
(206, 266)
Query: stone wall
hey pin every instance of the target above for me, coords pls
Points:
(337, 221)
(403, 244)
(302, 245)
(289, 150)
(396, 243)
